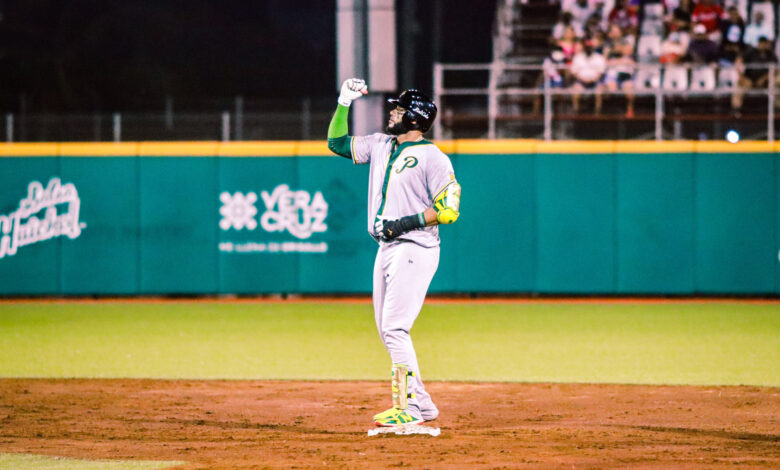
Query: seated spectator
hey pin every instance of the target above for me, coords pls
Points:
(599, 42)
(709, 14)
(680, 19)
(554, 72)
(758, 29)
(554, 67)
(616, 40)
(753, 77)
(702, 50)
(602, 9)
(569, 43)
(593, 27)
(587, 69)
(580, 12)
(730, 54)
(567, 4)
(620, 76)
(634, 5)
(621, 15)
(564, 22)
(732, 28)
(672, 49)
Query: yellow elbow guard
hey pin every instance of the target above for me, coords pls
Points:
(447, 204)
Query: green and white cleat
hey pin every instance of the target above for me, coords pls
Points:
(386, 414)
(395, 417)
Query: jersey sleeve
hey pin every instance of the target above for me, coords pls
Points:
(439, 173)
(361, 147)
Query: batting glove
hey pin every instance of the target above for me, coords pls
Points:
(379, 227)
(388, 230)
(351, 90)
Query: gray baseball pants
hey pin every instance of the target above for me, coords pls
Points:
(402, 274)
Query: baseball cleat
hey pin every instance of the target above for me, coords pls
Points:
(427, 415)
(395, 417)
(385, 414)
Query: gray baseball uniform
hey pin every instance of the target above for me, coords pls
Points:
(403, 180)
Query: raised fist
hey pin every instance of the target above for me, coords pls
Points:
(352, 89)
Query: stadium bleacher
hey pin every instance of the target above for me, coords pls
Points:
(698, 80)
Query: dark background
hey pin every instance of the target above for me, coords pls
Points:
(111, 55)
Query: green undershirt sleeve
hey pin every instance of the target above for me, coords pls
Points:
(338, 138)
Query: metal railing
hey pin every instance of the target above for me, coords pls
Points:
(255, 120)
(492, 90)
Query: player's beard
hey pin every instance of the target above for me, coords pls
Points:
(396, 128)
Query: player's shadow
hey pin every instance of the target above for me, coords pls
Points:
(741, 436)
(250, 425)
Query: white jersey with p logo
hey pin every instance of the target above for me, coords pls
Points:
(403, 180)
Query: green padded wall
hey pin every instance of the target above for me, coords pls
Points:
(559, 222)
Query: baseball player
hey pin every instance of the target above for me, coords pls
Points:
(411, 190)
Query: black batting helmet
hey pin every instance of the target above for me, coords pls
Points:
(420, 110)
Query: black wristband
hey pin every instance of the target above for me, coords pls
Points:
(411, 222)
(394, 228)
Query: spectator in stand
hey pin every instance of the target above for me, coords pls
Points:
(567, 4)
(569, 43)
(564, 21)
(554, 71)
(702, 50)
(602, 9)
(580, 12)
(709, 14)
(599, 41)
(587, 69)
(672, 49)
(633, 5)
(680, 19)
(620, 76)
(554, 67)
(624, 17)
(593, 27)
(758, 29)
(732, 28)
(617, 40)
(753, 77)
(730, 55)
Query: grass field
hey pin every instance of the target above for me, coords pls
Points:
(707, 343)
(41, 462)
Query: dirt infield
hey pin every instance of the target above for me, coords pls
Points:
(245, 424)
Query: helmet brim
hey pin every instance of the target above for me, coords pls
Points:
(394, 102)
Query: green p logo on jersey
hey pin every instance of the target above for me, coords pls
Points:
(409, 162)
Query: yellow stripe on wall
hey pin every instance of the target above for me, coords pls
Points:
(739, 147)
(98, 149)
(312, 148)
(29, 149)
(482, 146)
(682, 146)
(576, 146)
(320, 148)
(277, 148)
(179, 149)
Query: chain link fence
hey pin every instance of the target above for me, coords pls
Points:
(238, 120)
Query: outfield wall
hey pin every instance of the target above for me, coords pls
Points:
(269, 217)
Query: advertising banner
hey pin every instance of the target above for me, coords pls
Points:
(550, 222)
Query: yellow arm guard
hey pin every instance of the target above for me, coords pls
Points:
(447, 204)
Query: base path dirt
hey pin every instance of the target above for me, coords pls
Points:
(246, 424)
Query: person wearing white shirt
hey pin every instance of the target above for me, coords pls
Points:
(580, 12)
(758, 29)
(588, 68)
